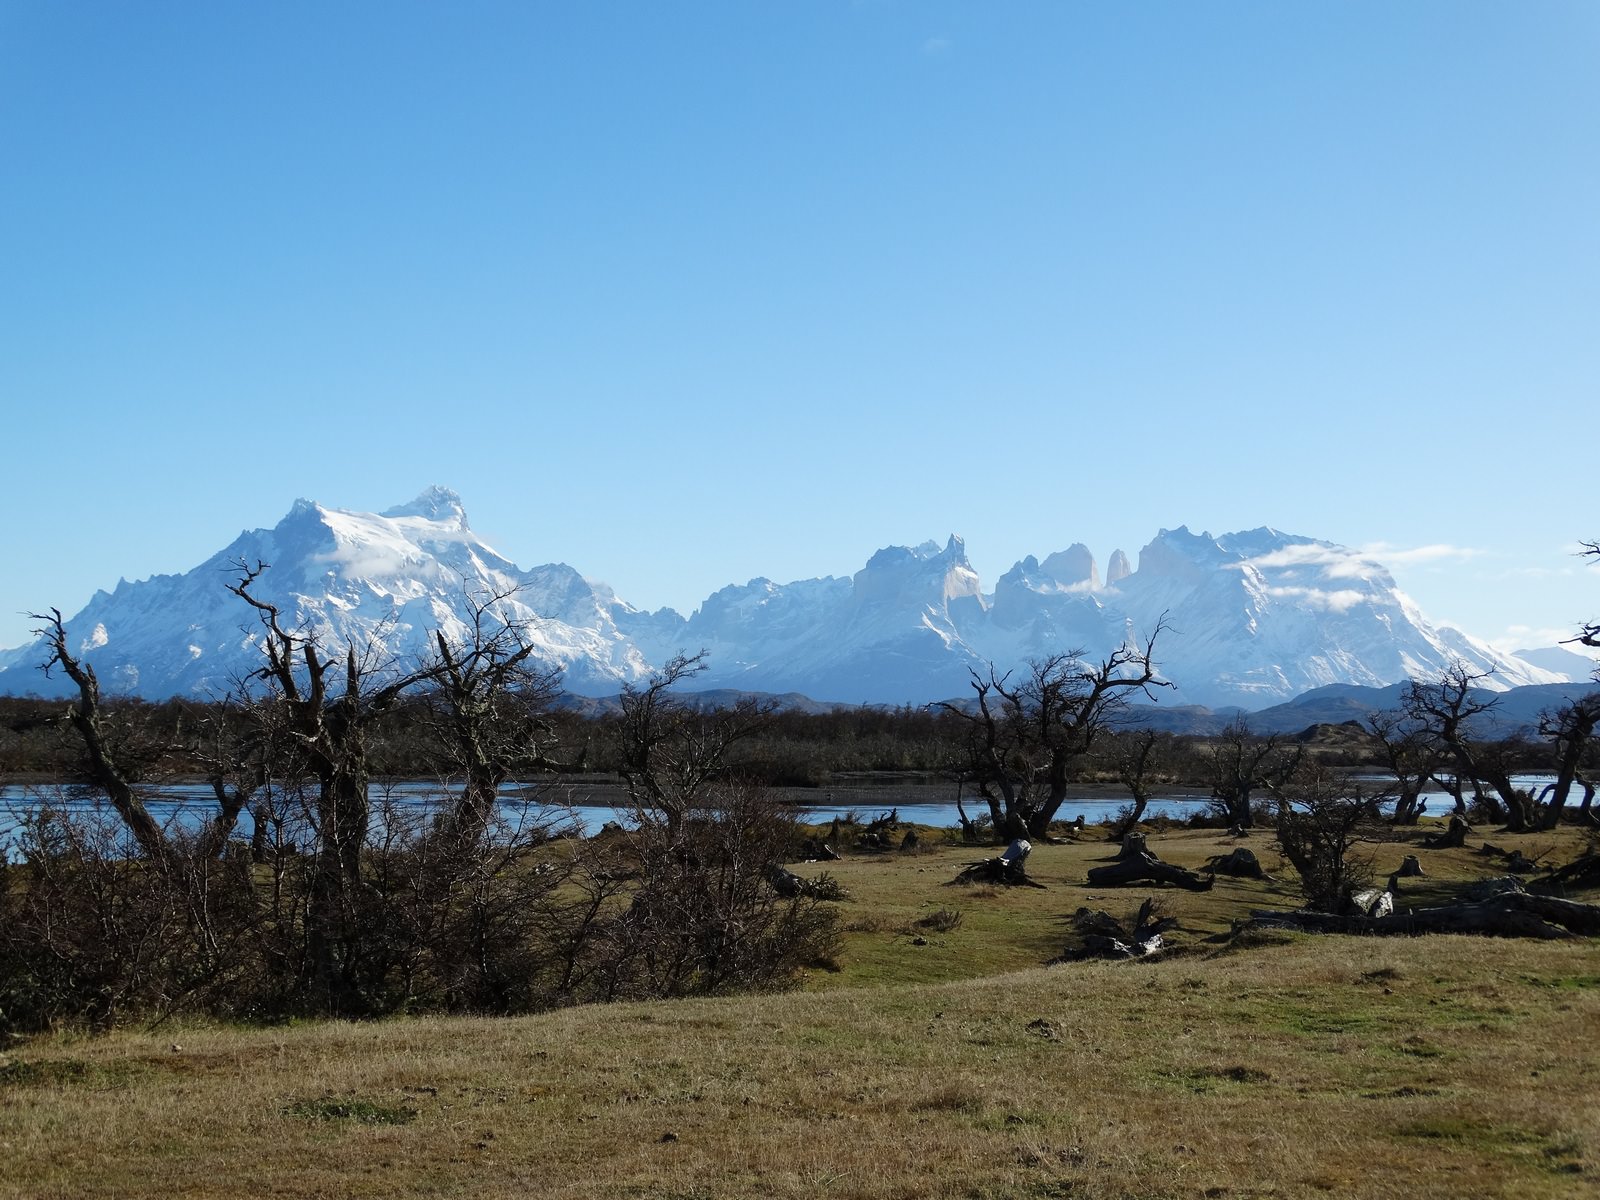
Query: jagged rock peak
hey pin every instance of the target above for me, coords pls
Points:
(435, 503)
(1074, 566)
(1118, 569)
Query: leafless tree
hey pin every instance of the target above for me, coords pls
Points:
(1137, 757)
(114, 762)
(1445, 712)
(1322, 818)
(327, 704)
(1411, 756)
(1025, 739)
(1241, 763)
(1589, 635)
(488, 707)
(670, 750)
(1572, 728)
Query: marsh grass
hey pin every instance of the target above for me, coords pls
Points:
(1440, 1067)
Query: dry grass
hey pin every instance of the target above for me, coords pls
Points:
(1439, 1067)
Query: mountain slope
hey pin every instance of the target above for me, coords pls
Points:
(1251, 619)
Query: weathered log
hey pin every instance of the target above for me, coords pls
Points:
(1105, 937)
(1239, 861)
(1147, 868)
(789, 885)
(1580, 873)
(1488, 889)
(1510, 914)
(1374, 902)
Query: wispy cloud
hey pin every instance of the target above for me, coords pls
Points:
(1437, 552)
(1338, 562)
(1335, 601)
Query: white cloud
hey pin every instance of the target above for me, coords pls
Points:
(1337, 562)
(1388, 554)
(1337, 601)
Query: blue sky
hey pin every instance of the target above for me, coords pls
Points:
(687, 293)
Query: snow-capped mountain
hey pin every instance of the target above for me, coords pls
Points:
(1251, 618)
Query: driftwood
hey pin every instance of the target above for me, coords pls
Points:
(1239, 861)
(1453, 838)
(1105, 937)
(1509, 914)
(1006, 870)
(1144, 867)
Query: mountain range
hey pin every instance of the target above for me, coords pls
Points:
(1251, 619)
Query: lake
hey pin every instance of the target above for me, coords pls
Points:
(588, 805)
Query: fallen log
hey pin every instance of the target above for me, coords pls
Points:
(1509, 914)
(789, 885)
(1240, 862)
(1105, 937)
(1581, 873)
(1147, 868)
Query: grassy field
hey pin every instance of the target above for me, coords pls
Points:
(940, 1059)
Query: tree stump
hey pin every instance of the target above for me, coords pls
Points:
(1410, 865)
(1147, 868)
(1453, 838)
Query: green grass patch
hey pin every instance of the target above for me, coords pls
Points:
(1471, 1131)
(67, 1072)
(1203, 1080)
(354, 1110)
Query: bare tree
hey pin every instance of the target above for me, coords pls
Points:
(1322, 819)
(327, 704)
(118, 758)
(488, 710)
(1024, 740)
(1572, 728)
(1410, 755)
(1589, 635)
(1138, 757)
(1242, 762)
(1445, 711)
(670, 750)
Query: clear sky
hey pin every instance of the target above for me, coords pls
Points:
(684, 293)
